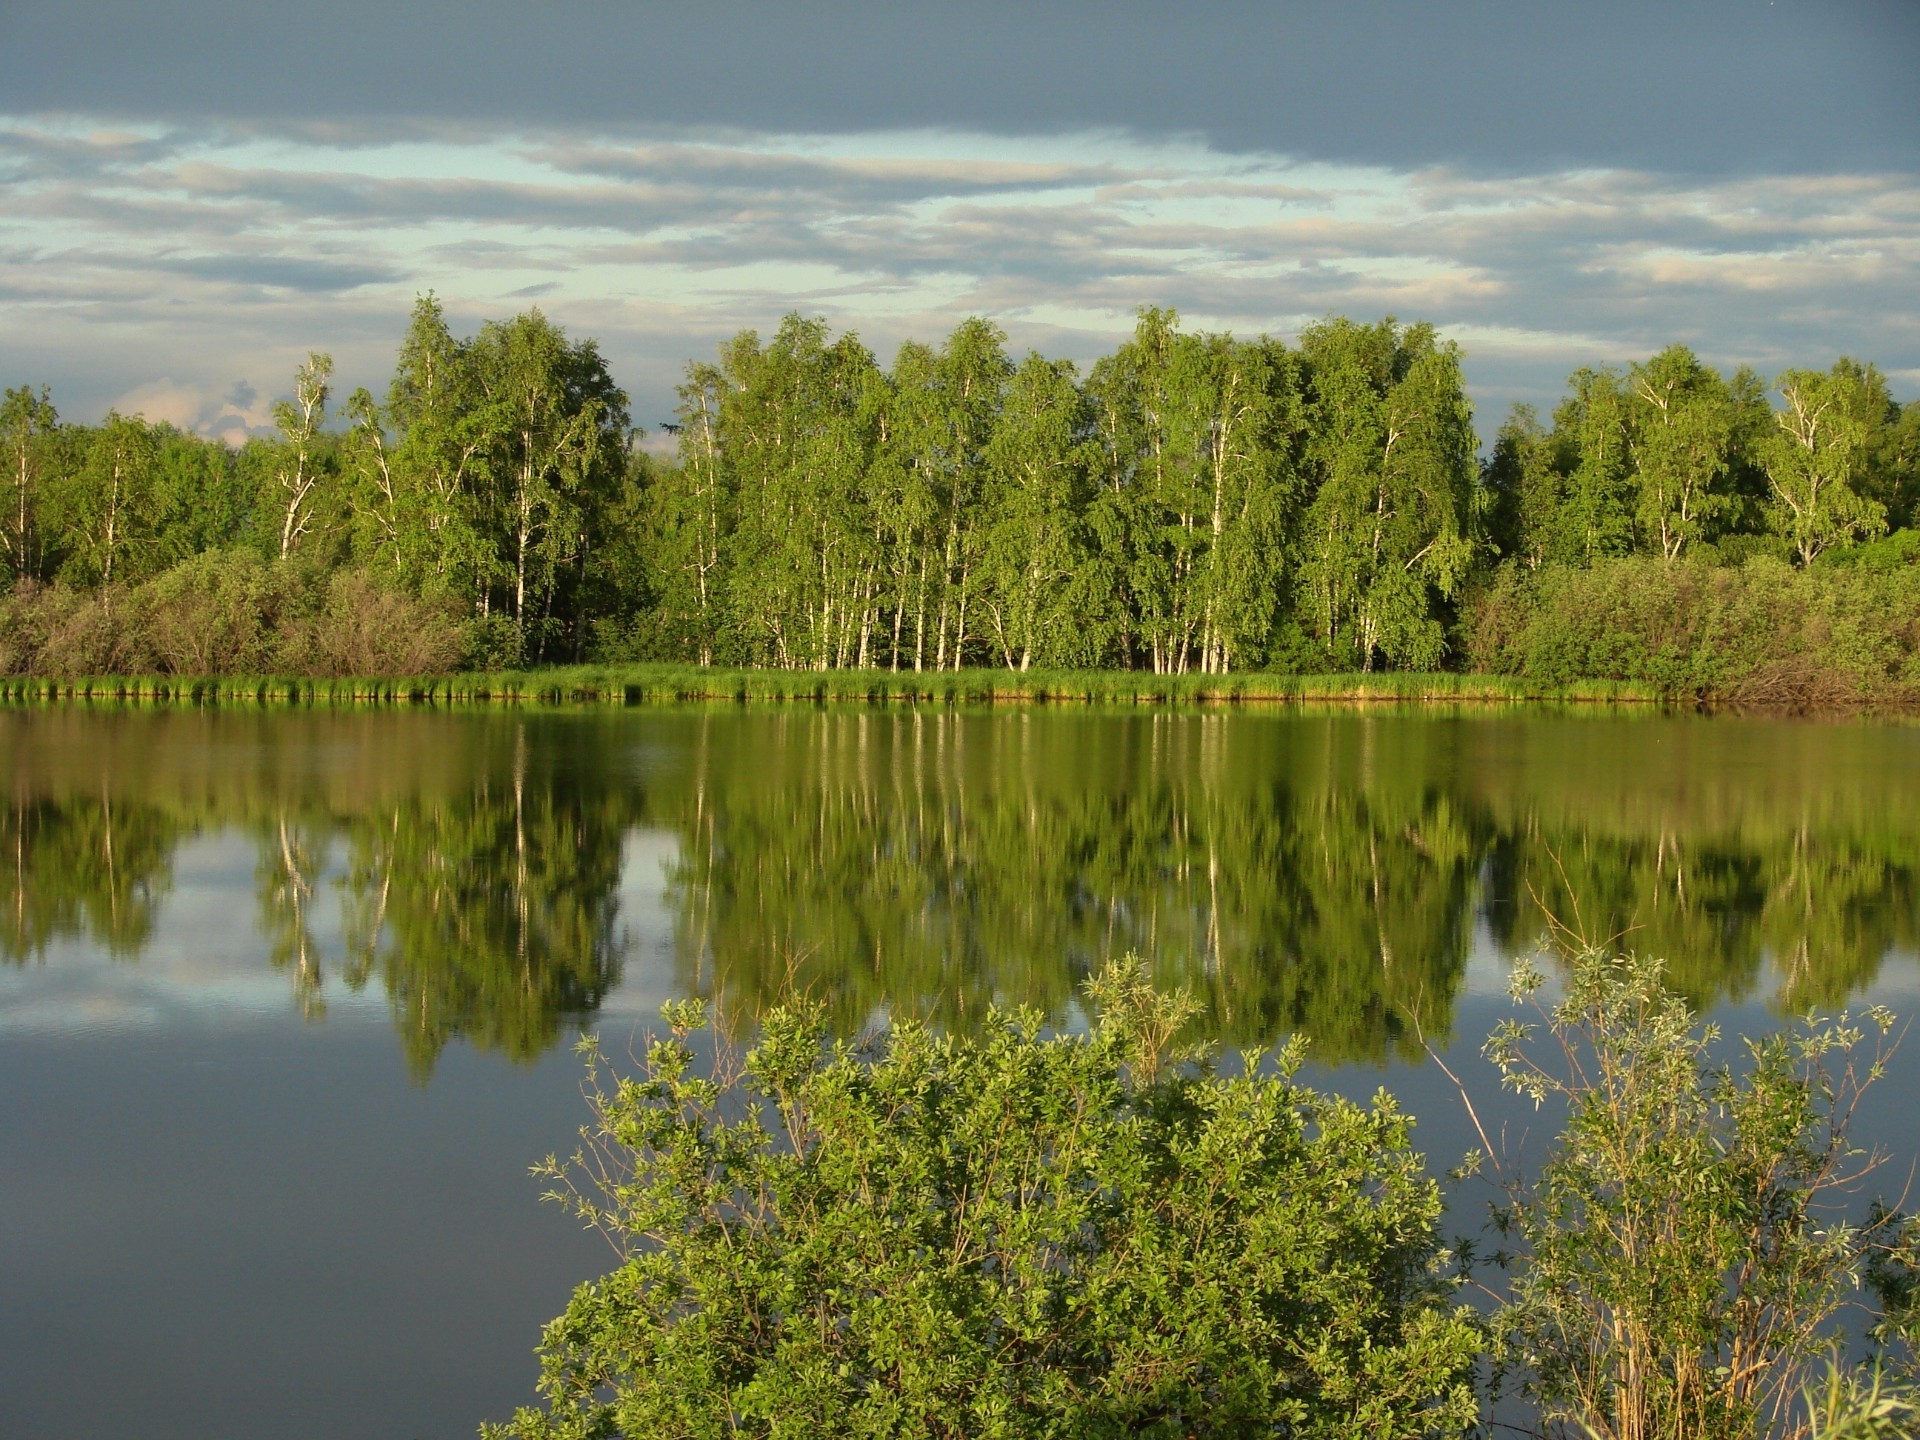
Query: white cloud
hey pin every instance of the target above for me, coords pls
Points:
(199, 255)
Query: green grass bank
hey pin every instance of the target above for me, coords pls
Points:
(645, 684)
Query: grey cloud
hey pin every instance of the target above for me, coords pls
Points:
(280, 272)
(1711, 86)
(855, 184)
(34, 155)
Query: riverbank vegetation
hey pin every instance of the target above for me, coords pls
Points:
(1106, 1233)
(1193, 504)
(659, 683)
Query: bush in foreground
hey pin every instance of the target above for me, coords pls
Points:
(1006, 1235)
(1684, 1250)
(1083, 1236)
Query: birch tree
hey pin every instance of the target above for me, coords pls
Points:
(1394, 523)
(110, 502)
(296, 473)
(1682, 434)
(1813, 461)
(27, 421)
(548, 425)
(1035, 544)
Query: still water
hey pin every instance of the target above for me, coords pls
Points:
(285, 996)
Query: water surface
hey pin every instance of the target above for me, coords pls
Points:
(285, 995)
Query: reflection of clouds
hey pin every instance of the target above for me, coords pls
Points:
(647, 976)
(661, 247)
(205, 965)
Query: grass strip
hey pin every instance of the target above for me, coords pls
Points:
(656, 684)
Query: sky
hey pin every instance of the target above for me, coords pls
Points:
(195, 195)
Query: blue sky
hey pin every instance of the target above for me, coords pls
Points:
(196, 195)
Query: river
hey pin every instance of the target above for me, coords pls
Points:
(286, 996)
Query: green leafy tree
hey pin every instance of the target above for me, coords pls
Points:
(1682, 435)
(108, 507)
(27, 423)
(690, 509)
(1034, 550)
(1591, 428)
(425, 494)
(1526, 491)
(1394, 521)
(548, 425)
(1815, 460)
(970, 377)
(1008, 1235)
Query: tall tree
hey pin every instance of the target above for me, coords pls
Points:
(1682, 433)
(109, 507)
(1592, 427)
(549, 425)
(1815, 458)
(27, 421)
(1394, 523)
(971, 377)
(298, 471)
(1525, 490)
(1034, 548)
(432, 471)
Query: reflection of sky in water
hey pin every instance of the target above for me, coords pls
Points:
(200, 1184)
(206, 967)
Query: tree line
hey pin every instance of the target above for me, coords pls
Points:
(1194, 502)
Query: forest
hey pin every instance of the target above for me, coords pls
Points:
(1195, 503)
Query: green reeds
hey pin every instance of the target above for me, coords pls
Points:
(656, 684)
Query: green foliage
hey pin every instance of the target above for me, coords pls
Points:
(1817, 458)
(1684, 1248)
(1006, 1235)
(1199, 502)
(229, 612)
(1759, 633)
(1848, 1405)
(1394, 523)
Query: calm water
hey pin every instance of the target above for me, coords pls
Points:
(285, 997)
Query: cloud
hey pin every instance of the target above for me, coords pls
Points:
(1501, 86)
(203, 255)
(233, 417)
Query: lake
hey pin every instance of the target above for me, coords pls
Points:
(286, 996)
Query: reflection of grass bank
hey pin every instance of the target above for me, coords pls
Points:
(652, 684)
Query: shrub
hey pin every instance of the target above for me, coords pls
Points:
(1761, 633)
(219, 613)
(367, 628)
(1684, 1249)
(1009, 1235)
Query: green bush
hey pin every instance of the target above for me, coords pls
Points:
(1682, 1254)
(1760, 633)
(1010, 1235)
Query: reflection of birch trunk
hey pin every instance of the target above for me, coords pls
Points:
(296, 890)
(520, 857)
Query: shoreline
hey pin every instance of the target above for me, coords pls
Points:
(642, 685)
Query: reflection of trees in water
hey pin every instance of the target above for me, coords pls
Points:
(1283, 912)
(1825, 907)
(96, 866)
(1322, 876)
(485, 913)
(490, 919)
